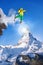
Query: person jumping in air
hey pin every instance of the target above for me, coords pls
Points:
(20, 14)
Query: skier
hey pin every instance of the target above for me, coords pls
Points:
(20, 14)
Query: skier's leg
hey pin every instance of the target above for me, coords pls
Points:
(16, 17)
(21, 19)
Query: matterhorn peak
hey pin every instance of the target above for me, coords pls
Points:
(26, 37)
(23, 42)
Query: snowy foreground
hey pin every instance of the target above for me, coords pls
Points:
(26, 45)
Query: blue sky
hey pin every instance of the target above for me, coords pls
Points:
(33, 17)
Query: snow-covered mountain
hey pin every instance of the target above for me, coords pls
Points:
(27, 44)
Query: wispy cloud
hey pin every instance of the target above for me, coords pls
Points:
(23, 28)
(10, 19)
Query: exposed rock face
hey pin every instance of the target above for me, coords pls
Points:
(0, 31)
(2, 26)
(27, 60)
